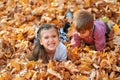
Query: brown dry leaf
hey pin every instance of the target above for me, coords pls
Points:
(73, 54)
(18, 78)
(20, 18)
(84, 69)
(92, 74)
(66, 75)
(16, 67)
(5, 76)
(23, 1)
(118, 78)
(51, 64)
(105, 64)
(1, 54)
(55, 22)
(112, 75)
(38, 10)
(41, 75)
(50, 71)
(87, 48)
(71, 67)
(34, 77)
(2, 62)
(82, 77)
(111, 1)
(79, 77)
(19, 36)
(30, 65)
(10, 2)
(29, 74)
(87, 3)
(116, 68)
(104, 75)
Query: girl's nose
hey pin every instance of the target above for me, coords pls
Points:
(50, 39)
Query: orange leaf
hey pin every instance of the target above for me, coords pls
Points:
(29, 74)
(116, 27)
(19, 36)
(84, 68)
(30, 65)
(17, 78)
(24, 1)
(82, 77)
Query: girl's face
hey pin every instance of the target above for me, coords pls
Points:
(49, 39)
(84, 33)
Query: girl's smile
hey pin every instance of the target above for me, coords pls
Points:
(49, 39)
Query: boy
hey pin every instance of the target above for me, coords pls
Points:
(89, 30)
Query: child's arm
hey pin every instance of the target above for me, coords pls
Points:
(64, 54)
(99, 35)
(61, 52)
(100, 40)
(75, 41)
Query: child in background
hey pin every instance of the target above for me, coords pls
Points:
(63, 30)
(89, 30)
(47, 45)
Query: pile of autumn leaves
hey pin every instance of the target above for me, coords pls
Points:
(18, 22)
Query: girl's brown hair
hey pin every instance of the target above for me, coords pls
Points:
(39, 51)
(83, 20)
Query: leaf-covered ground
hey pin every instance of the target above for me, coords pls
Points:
(20, 18)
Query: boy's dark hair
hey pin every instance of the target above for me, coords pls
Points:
(83, 20)
(39, 51)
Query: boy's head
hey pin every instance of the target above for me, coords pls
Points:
(83, 20)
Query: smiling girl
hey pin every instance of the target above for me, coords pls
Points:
(48, 45)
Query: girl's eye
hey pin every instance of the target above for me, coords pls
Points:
(46, 37)
(54, 36)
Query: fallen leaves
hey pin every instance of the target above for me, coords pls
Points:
(20, 19)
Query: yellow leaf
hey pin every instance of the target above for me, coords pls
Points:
(19, 36)
(116, 27)
(87, 3)
(16, 66)
(84, 68)
(83, 77)
(24, 1)
(17, 78)
(87, 48)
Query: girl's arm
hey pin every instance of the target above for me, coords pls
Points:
(61, 52)
(64, 54)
